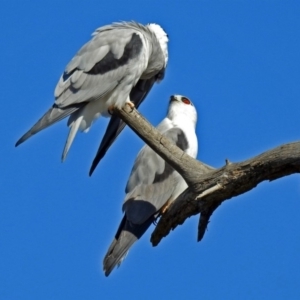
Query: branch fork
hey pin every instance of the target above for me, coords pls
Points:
(208, 187)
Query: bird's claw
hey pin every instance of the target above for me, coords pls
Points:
(131, 105)
(165, 207)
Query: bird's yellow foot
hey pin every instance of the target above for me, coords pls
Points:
(130, 104)
(165, 207)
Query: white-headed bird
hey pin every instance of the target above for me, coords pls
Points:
(153, 184)
(120, 62)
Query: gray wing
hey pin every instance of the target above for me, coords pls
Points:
(101, 64)
(152, 181)
(116, 125)
(150, 185)
(98, 67)
(53, 115)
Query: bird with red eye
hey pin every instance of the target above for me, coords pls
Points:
(180, 98)
(186, 100)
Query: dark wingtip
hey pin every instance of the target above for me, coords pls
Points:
(107, 272)
(95, 163)
(91, 170)
(115, 126)
(22, 139)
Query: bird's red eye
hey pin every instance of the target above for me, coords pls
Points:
(186, 101)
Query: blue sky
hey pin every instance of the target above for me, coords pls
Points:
(239, 63)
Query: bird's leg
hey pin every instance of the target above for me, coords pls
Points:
(162, 211)
(165, 207)
(130, 104)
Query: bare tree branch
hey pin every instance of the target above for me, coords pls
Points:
(180, 161)
(209, 187)
(204, 219)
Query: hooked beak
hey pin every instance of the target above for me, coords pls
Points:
(174, 98)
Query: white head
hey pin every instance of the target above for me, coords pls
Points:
(162, 38)
(182, 108)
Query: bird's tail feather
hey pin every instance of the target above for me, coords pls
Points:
(53, 115)
(126, 235)
(74, 126)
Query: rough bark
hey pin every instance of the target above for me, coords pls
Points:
(209, 187)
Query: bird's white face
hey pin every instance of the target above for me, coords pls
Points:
(162, 38)
(183, 108)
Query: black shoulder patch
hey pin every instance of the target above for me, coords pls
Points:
(165, 174)
(182, 141)
(109, 62)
